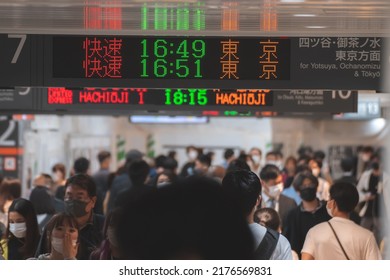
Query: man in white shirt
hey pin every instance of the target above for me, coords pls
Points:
(340, 238)
(246, 187)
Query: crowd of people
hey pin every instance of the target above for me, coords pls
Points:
(243, 208)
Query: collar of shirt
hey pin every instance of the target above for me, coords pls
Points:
(320, 204)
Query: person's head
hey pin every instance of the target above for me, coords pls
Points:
(10, 189)
(319, 155)
(343, 197)
(228, 155)
(255, 154)
(347, 164)
(159, 163)
(291, 164)
(192, 153)
(80, 195)
(42, 200)
(59, 227)
(138, 172)
(22, 224)
(44, 180)
(269, 218)
(271, 180)
(306, 184)
(271, 157)
(245, 186)
(315, 167)
(170, 164)
(133, 155)
(81, 165)
(237, 164)
(59, 172)
(366, 153)
(165, 178)
(104, 158)
(202, 165)
(191, 219)
(172, 154)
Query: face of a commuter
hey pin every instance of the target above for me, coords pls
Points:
(60, 231)
(77, 201)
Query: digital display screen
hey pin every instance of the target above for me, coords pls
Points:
(172, 58)
(161, 97)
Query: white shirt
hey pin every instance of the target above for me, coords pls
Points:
(283, 248)
(358, 242)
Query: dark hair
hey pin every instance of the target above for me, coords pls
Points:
(269, 172)
(159, 161)
(172, 154)
(42, 200)
(345, 195)
(368, 149)
(191, 147)
(347, 164)
(48, 179)
(228, 153)
(319, 155)
(204, 159)
(11, 188)
(25, 208)
(103, 155)
(291, 158)
(301, 176)
(245, 186)
(193, 218)
(237, 164)
(138, 172)
(60, 219)
(84, 182)
(267, 217)
(60, 167)
(170, 163)
(81, 165)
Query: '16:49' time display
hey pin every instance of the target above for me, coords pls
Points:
(162, 58)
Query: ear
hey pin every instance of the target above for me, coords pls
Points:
(258, 201)
(93, 199)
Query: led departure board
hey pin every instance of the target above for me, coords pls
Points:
(161, 98)
(235, 62)
(207, 101)
(173, 58)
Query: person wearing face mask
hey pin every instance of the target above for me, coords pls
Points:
(62, 235)
(323, 185)
(272, 182)
(188, 168)
(22, 232)
(254, 161)
(309, 213)
(340, 238)
(80, 199)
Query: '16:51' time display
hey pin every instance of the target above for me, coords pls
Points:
(174, 59)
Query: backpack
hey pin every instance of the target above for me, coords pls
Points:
(267, 245)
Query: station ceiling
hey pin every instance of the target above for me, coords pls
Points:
(212, 17)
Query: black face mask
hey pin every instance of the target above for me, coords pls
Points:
(75, 208)
(308, 193)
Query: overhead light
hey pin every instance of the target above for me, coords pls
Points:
(292, 1)
(316, 27)
(304, 15)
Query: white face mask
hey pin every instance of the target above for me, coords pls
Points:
(274, 191)
(58, 244)
(256, 159)
(18, 229)
(193, 154)
(329, 210)
(316, 172)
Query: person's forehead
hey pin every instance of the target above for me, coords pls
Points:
(75, 189)
(15, 215)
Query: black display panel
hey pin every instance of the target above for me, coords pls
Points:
(343, 63)
(174, 58)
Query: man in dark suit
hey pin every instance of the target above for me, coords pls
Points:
(272, 182)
